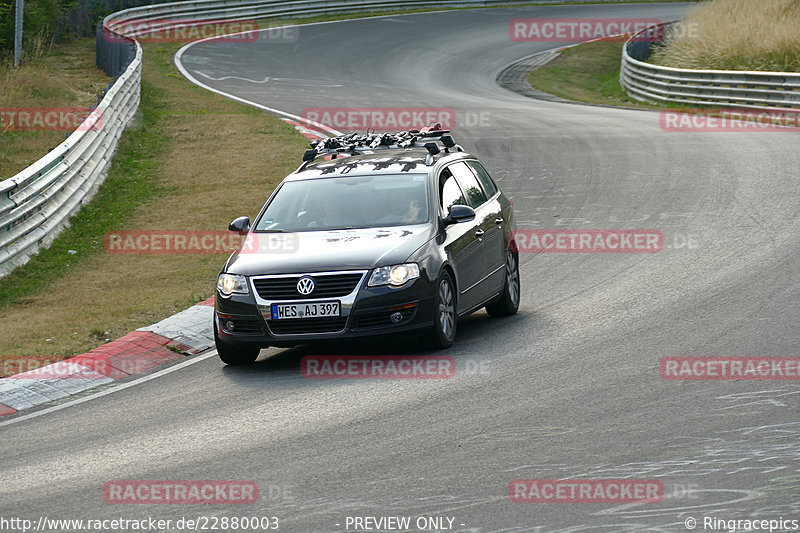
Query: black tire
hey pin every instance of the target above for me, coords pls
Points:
(235, 355)
(445, 317)
(508, 302)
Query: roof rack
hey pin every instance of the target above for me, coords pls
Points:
(353, 143)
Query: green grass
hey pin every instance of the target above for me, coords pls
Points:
(193, 160)
(63, 76)
(129, 184)
(586, 73)
(589, 73)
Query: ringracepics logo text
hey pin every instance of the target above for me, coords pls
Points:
(379, 118)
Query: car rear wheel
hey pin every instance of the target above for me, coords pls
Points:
(508, 303)
(445, 320)
(235, 355)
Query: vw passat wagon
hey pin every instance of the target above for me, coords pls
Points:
(372, 235)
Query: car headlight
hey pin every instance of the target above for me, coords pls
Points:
(394, 275)
(228, 284)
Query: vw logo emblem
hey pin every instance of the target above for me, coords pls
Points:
(305, 285)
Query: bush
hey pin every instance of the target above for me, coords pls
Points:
(40, 19)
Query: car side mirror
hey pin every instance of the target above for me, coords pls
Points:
(241, 226)
(459, 213)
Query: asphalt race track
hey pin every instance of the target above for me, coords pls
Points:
(568, 388)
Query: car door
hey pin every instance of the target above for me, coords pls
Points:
(494, 221)
(462, 243)
(490, 234)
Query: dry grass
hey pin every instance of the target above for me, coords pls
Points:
(210, 160)
(737, 35)
(65, 76)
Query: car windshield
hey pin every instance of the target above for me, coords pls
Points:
(347, 202)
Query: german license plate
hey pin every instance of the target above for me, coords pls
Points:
(309, 310)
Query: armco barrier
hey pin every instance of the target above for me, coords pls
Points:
(729, 88)
(36, 204)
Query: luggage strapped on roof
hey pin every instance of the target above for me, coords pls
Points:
(353, 143)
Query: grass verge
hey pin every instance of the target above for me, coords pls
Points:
(587, 73)
(65, 76)
(193, 161)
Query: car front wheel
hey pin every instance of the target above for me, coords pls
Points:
(445, 319)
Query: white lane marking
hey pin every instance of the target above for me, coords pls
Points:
(295, 81)
(185, 72)
(265, 80)
(193, 360)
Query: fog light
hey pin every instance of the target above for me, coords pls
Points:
(229, 325)
(396, 317)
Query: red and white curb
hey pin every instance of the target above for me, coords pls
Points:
(305, 131)
(186, 333)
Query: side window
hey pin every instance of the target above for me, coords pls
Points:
(483, 177)
(469, 183)
(449, 192)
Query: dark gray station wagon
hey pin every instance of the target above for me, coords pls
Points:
(373, 234)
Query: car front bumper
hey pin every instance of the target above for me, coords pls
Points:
(246, 319)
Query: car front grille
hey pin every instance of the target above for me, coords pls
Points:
(325, 286)
(299, 326)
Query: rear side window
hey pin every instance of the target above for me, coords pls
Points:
(469, 184)
(483, 177)
(449, 191)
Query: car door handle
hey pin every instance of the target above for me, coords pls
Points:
(479, 233)
(498, 220)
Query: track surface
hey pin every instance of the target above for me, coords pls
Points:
(569, 387)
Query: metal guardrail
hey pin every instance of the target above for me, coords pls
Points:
(36, 204)
(112, 55)
(729, 88)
